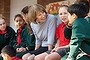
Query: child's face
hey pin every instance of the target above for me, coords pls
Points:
(2, 24)
(18, 22)
(63, 14)
(41, 17)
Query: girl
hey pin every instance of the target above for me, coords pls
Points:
(25, 41)
(7, 34)
(43, 26)
(62, 45)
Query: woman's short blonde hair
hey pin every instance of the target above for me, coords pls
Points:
(33, 11)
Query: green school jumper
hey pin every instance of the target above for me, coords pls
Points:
(27, 40)
(6, 39)
(80, 38)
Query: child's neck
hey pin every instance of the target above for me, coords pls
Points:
(65, 23)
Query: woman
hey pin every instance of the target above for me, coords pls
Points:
(62, 45)
(43, 26)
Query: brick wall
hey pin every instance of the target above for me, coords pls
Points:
(5, 9)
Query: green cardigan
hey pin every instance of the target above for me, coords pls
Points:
(28, 40)
(8, 38)
(80, 37)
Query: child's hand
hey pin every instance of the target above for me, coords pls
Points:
(53, 50)
(58, 48)
(72, 19)
(22, 49)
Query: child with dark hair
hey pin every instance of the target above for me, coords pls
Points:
(80, 38)
(68, 29)
(24, 12)
(9, 53)
(25, 41)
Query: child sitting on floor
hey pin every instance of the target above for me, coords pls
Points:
(8, 53)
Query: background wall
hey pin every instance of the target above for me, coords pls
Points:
(17, 5)
(15, 8)
(5, 9)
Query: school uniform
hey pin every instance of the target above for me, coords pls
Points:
(67, 33)
(15, 58)
(80, 38)
(62, 39)
(60, 35)
(27, 40)
(7, 38)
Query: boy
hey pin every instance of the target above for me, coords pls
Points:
(8, 53)
(80, 38)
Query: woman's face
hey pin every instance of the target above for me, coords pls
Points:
(63, 14)
(2, 24)
(18, 22)
(41, 17)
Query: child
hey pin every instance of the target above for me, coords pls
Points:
(9, 53)
(68, 29)
(62, 45)
(25, 41)
(43, 26)
(7, 34)
(80, 38)
(24, 13)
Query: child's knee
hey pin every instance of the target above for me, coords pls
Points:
(24, 57)
(36, 57)
(31, 57)
(48, 57)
